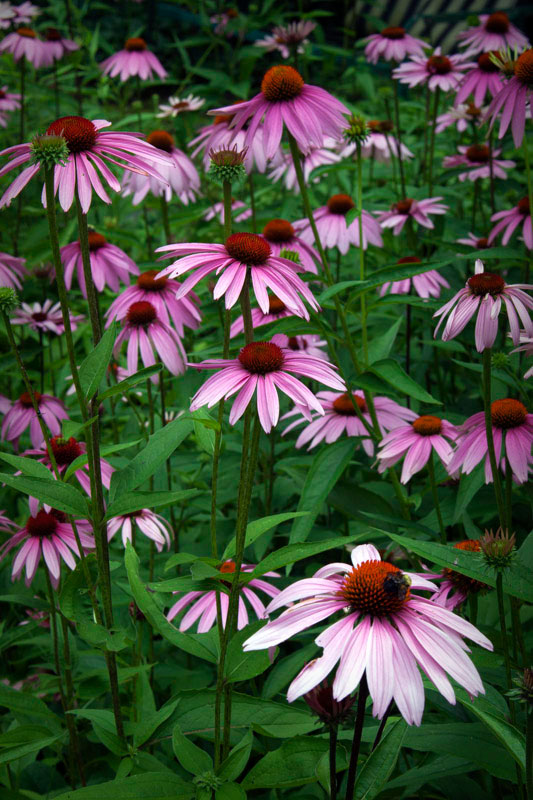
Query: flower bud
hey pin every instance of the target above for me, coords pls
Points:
(49, 150)
(357, 130)
(227, 165)
(291, 255)
(498, 548)
(499, 360)
(329, 711)
(8, 299)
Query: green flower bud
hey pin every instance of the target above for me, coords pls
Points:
(49, 150)
(291, 255)
(227, 165)
(8, 299)
(357, 130)
(498, 548)
(499, 360)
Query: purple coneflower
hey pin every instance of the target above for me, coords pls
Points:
(9, 101)
(393, 44)
(478, 158)
(65, 452)
(484, 293)
(44, 317)
(281, 235)
(438, 71)
(21, 416)
(12, 270)
(461, 116)
(109, 264)
(134, 60)
(145, 331)
(219, 135)
(454, 587)
(416, 442)
(526, 346)
(286, 37)
(6, 524)
(176, 105)
(24, 43)
(494, 33)
(332, 227)
(484, 78)
(25, 12)
(55, 46)
(514, 99)
(310, 345)
(417, 210)
(265, 367)
(7, 15)
(239, 211)
(379, 144)
(509, 220)
(282, 165)
(154, 526)
(479, 242)
(426, 284)
(386, 632)
(276, 310)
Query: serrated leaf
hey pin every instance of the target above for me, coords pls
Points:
(28, 466)
(57, 494)
(93, 368)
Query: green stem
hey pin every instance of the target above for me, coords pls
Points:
(529, 193)
(357, 734)
(432, 144)
(435, 493)
(333, 761)
(252, 201)
(529, 753)
(487, 353)
(83, 233)
(503, 628)
(364, 333)
(69, 683)
(399, 135)
(424, 165)
(164, 214)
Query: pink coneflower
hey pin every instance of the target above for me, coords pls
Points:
(514, 99)
(265, 367)
(161, 294)
(508, 221)
(285, 99)
(512, 427)
(21, 416)
(283, 165)
(88, 147)
(179, 175)
(480, 243)
(65, 452)
(417, 210)
(285, 38)
(218, 136)
(477, 157)
(379, 144)
(240, 252)
(55, 46)
(25, 12)
(24, 43)
(6, 524)
(154, 526)
(46, 534)
(222, 20)
(332, 227)
(276, 310)
(9, 101)
(311, 344)
(176, 105)
(494, 33)
(12, 270)
(109, 264)
(484, 78)
(386, 631)
(484, 293)
(427, 284)
(44, 317)
(393, 44)
(438, 71)
(526, 346)
(134, 60)
(340, 419)
(416, 442)
(145, 331)
(461, 116)
(239, 212)
(204, 607)
(7, 15)
(455, 588)
(281, 235)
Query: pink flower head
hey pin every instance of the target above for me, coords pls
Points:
(176, 105)
(484, 293)
(285, 99)
(484, 79)
(89, 147)
(514, 99)
(284, 37)
(179, 174)
(340, 419)
(379, 144)
(283, 165)
(461, 116)
(12, 270)
(494, 33)
(416, 442)
(219, 135)
(21, 416)
(311, 344)
(444, 72)
(526, 346)
(24, 43)
(393, 44)
(44, 317)
(25, 12)
(7, 15)
(508, 221)
(426, 284)
(203, 606)
(239, 212)
(48, 534)
(9, 101)
(386, 632)
(154, 526)
(134, 60)
(6, 524)
(276, 310)
(455, 587)
(512, 427)
(109, 264)
(65, 452)
(144, 330)
(56, 47)
(231, 260)
(265, 367)
(480, 243)
(281, 235)
(333, 229)
(161, 294)
(477, 158)
(418, 210)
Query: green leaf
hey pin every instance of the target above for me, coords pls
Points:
(25, 739)
(191, 757)
(258, 527)
(241, 666)
(205, 435)
(326, 469)
(285, 669)
(468, 488)
(393, 374)
(93, 368)
(57, 494)
(295, 552)
(379, 347)
(380, 763)
(106, 450)
(135, 501)
(292, 764)
(128, 383)
(24, 706)
(147, 725)
(103, 723)
(336, 288)
(28, 466)
(440, 767)
(511, 738)
(238, 757)
(74, 599)
(148, 786)
(230, 791)
(98, 636)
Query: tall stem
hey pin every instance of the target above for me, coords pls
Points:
(424, 165)
(164, 215)
(333, 761)
(503, 628)
(69, 698)
(252, 201)
(357, 733)
(487, 353)
(399, 135)
(364, 334)
(435, 493)
(432, 145)
(529, 753)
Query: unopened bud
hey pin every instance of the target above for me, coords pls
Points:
(498, 548)
(49, 150)
(291, 255)
(227, 165)
(357, 130)
(8, 299)
(499, 360)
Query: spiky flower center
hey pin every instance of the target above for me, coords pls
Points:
(523, 68)
(486, 64)
(78, 132)
(248, 248)
(65, 450)
(340, 204)
(472, 110)
(52, 35)
(96, 241)
(278, 230)
(227, 566)
(149, 283)
(343, 405)
(141, 313)
(523, 206)
(136, 44)
(439, 65)
(482, 243)
(281, 83)
(403, 206)
(427, 425)
(39, 316)
(497, 22)
(377, 588)
(508, 413)
(43, 524)
(478, 154)
(25, 399)
(393, 33)
(409, 260)
(486, 283)
(26, 32)
(162, 140)
(261, 357)
(275, 305)
(461, 582)
(220, 118)
(381, 125)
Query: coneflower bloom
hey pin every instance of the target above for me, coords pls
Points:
(218, 136)
(385, 632)
(379, 144)
(9, 101)
(144, 330)
(44, 317)
(494, 33)
(161, 293)
(477, 158)
(109, 264)
(509, 220)
(285, 100)
(311, 344)
(222, 20)
(426, 284)
(276, 310)
(512, 428)
(479, 242)
(416, 442)
(65, 452)
(203, 605)
(134, 60)
(12, 270)
(287, 37)
(438, 71)
(265, 367)
(281, 235)
(239, 212)
(340, 419)
(283, 165)
(55, 46)
(514, 99)
(176, 105)
(332, 227)
(454, 587)
(393, 44)
(89, 147)
(6, 524)
(418, 210)
(231, 260)
(21, 416)
(50, 535)
(484, 293)
(484, 79)
(154, 526)
(461, 116)
(7, 15)
(24, 43)
(25, 12)
(526, 346)
(177, 176)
